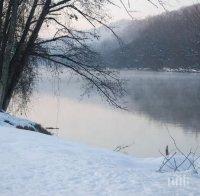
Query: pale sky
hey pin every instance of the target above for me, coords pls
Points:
(140, 9)
(143, 8)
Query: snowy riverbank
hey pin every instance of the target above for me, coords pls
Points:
(166, 69)
(36, 164)
(8, 120)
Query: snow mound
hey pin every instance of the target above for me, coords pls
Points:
(36, 164)
(12, 121)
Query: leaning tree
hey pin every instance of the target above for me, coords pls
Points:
(21, 48)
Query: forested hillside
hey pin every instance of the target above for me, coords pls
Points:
(126, 31)
(169, 40)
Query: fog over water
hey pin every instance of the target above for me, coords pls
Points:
(167, 97)
(157, 102)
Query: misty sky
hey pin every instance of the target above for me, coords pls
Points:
(143, 8)
(139, 9)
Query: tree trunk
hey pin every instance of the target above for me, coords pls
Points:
(9, 51)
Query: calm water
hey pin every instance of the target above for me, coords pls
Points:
(158, 103)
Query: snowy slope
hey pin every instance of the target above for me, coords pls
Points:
(11, 121)
(35, 164)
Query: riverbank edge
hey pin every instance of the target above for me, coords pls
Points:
(8, 120)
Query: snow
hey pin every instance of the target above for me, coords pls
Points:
(39, 165)
(167, 69)
(11, 121)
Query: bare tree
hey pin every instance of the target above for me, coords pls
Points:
(21, 22)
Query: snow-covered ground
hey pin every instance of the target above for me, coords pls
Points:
(11, 121)
(34, 164)
(167, 69)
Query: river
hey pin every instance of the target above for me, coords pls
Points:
(159, 104)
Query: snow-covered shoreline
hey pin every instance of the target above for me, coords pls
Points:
(37, 164)
(164, 69)
(8, 120)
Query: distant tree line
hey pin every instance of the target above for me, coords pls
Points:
(169, 40)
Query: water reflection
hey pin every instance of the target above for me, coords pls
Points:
(167, 97)
(157, 101)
